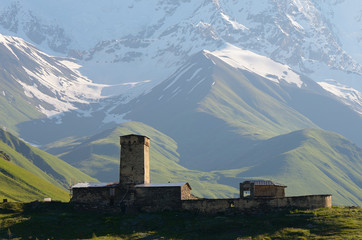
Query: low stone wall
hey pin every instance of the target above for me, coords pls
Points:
(256, 204)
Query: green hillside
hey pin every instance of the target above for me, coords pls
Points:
(40, 163)
(215, 111)
(309, 161)
(98, 156)
(253, 106)
(18, 184)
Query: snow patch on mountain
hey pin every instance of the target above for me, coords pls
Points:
(295, 23)
(4, 41)
(234, 24)
(261, 65)
(348, 95)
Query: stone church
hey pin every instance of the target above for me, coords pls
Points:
(134, 191)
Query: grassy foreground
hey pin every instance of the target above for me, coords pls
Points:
(62, 221)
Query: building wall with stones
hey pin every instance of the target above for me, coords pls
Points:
(261, 188)
(158, 198)
(269, 191)
(93, 195)
(213, 206)
(186, 193)
(134, 163)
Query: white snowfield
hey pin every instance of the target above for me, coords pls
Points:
(261, 65)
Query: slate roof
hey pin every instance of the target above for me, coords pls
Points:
(93, 184)
(136, 135)
(265, 183)
(179, 184)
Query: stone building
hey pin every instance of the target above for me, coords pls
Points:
(134, 191)
(261, 189)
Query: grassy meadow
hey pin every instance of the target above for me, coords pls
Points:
(63, 221)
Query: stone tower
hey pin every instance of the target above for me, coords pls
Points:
(135, 161)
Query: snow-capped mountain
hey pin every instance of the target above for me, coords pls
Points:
(231, 91)
(51, 85)
(131, 41)
(121, 46)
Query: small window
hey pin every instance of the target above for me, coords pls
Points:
(246, 193)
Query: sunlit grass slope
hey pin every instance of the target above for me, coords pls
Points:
(40, 163)
(18, 184)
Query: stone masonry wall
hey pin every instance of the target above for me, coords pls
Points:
(266, 191)
(258, 205)
(186, 193)
(134, 163)
(158, 198)
(100, 196)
